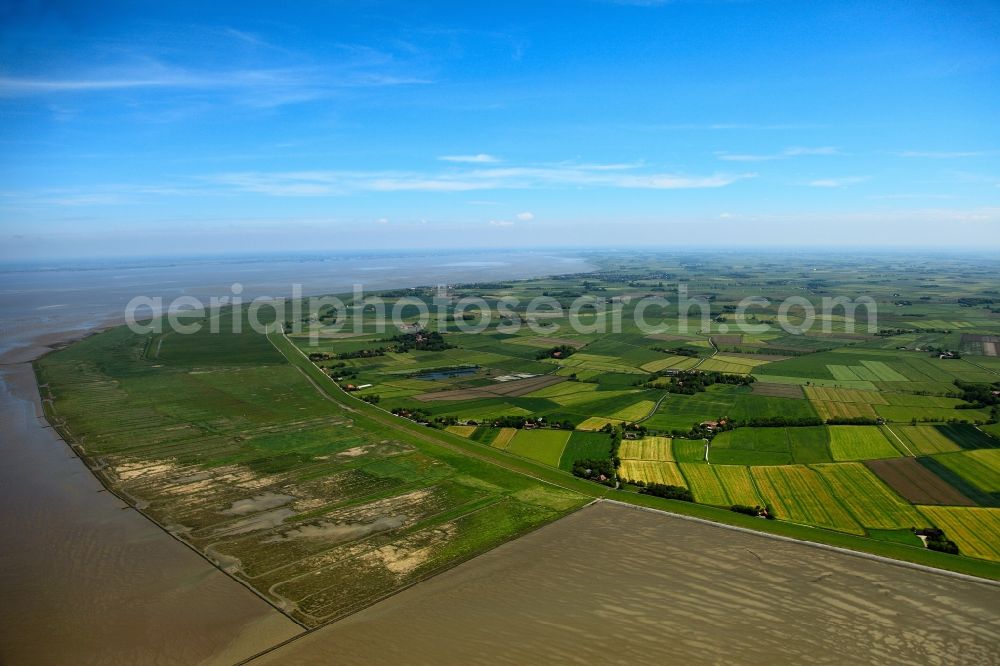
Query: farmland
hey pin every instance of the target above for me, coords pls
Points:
(797, 493)
(860, 443)
(600, 382)
(650, 471)
(973, 529)
(261, 452)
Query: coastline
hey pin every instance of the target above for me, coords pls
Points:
(109, 582)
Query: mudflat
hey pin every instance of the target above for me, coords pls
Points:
(86, 579)
(618, 584)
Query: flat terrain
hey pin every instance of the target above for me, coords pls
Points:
(264, 454)
(612, 584)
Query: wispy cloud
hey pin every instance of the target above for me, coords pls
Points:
(481, 158)
(526, 216)
(837, 182)
(333, 183)
(309, 82)
(501, 223)
(787, 153)
(946, 155)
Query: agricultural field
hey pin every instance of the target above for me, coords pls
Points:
(271, 476)
(722, 485)
(923, 439)
(975, 530)
(860, 443)
(545, 446)
(650, 471)
(916, 483)
(585, 446)
(872, 502)
(799, 494)
(981, 468)
(647, 448)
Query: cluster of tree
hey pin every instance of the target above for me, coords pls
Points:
(971, 301)
(755, 511)
(689, 382)
(595, 469)
(363, 353)
(418, 414)
(320, 356)
(412, 292)
(665, 491)
(680, 351)
(852, 420)
(936, 540)
(421, 341)
(892, 332)
(559, 351)
(978, 395)
(778, 422)
(339, 371)
(372, 398)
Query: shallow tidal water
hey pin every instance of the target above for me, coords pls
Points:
(617, 584)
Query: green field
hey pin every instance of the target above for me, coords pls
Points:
(871, 501)
(980, 468)
(647, 448)
(860, 443)
(650, 471)
(545, 446)
(280, 467)
(923, 439)
(973, 529)
(771, 446)
(799, 494)
(722, 485)
(584, 446)
(249, 412)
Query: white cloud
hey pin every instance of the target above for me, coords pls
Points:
(787, 153)
(382, 220)
(725, 216)
(481, 158)
(837, 182)
(525, 216)
(942, 155)
(332, 183)
(501, 223)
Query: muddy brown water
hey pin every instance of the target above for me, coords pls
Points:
(615, 584)
(87, 580)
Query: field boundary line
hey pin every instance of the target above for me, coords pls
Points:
(814, 544)
(912, 455)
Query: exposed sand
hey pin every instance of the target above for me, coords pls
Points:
(615, 584)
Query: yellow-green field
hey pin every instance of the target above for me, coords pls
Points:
(871, 501)
(461, 430)
(981, 468)
(649, 471)
(595, 423)
(798, 494)
(636, 411)
(647, 448)
(704, 484)
(974, 529)
(925, 439)
(860, 443)
(738, 484)
(502, 440)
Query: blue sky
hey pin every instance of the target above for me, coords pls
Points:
(145, 128)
